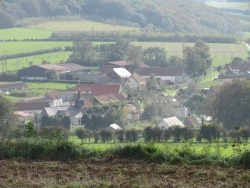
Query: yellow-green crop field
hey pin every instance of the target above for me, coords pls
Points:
(81, 26)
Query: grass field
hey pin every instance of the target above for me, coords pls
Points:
(24, 33)
(19, 63)
(221, 53)
(81, 26)
(230, 5)
(21, 47)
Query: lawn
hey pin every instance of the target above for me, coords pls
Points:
(20, 33)
(81, 26)
(22, 47)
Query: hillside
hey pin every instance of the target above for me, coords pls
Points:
(166, 15)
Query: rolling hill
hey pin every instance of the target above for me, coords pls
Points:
(173, 16)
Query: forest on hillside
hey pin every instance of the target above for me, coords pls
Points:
(172, 16)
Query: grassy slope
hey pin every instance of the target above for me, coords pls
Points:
(81, 26)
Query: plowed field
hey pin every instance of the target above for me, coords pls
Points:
(117, 173)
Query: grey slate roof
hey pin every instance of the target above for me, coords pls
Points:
(160, 71)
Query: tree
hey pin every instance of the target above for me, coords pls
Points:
(197, 59)
(6, 114)
(230, 105)
(151, 83)
(175, 61)
(155, 56)
(195, 103)
(66, 122)
(81, 134)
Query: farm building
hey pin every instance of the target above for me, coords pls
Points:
(12, 87)
(114, 127)
(163, 74)
(119, 75)
(170, 122)
(108, 67)
(191, 122)
(43, 71)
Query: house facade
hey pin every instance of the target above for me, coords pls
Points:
(135, 82)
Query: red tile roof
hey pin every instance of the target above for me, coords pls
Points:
(98, 89)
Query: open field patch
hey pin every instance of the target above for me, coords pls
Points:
(81, 26)
(22, 47)
(20, 33)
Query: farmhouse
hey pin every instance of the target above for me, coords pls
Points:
(163, 74)
(12, 87)
(170, 122)
(135, 82)
(42, 72)
(238, 69)
(109, 99)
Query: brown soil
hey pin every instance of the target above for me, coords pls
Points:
(117, 173)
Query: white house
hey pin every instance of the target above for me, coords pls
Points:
(170, 122)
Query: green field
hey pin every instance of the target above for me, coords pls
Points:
(24, 33)
(21, 47)
(230, 5)
(19, 63)
(81, 26)
(222, 149)
(221, 53)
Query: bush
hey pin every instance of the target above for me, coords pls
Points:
(244, 159)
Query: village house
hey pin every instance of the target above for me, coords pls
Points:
(135, 82)
(109, 99)
(163, 74)
(12, 87)
(74, 112)
(235, 70)
(191, 122)
(170, 122)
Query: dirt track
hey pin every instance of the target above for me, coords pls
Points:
(117, 173)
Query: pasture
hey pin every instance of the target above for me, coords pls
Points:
(20, 33)
(84, 25)
(22, 47)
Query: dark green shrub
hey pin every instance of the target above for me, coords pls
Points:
(244, 159)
